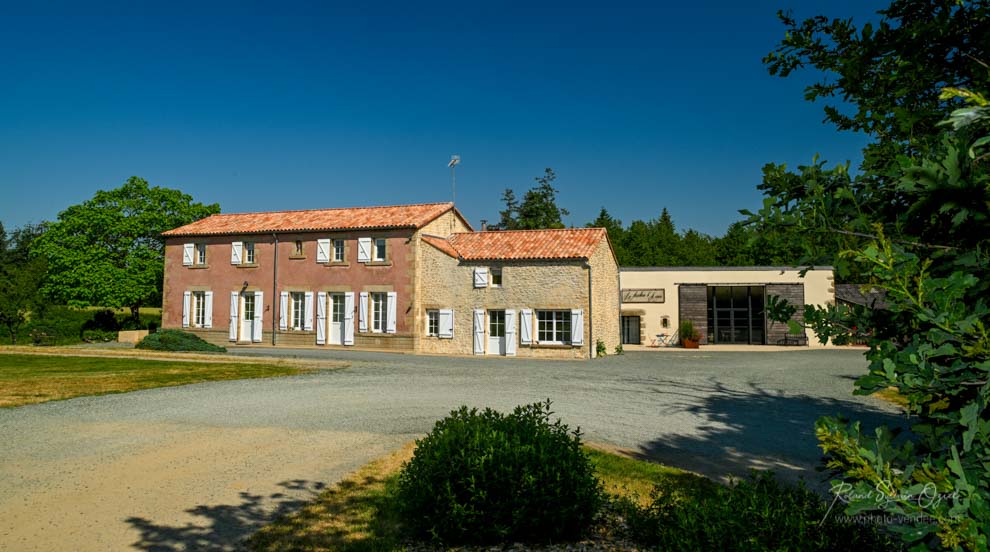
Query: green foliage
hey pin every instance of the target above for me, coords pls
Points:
(108, 251)
(755, 514)
(600, 349)
(20, 278)
(176, 340)
(915, 223)
(688, 332)
(618, 349)
(538, 208)
(486, 477)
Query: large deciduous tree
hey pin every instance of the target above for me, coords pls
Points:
(20, 278)
(915, 223)
(108, 251)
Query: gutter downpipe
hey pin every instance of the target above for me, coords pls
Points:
(591, 331)
(274, 286)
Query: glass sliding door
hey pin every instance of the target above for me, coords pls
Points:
(736, 315)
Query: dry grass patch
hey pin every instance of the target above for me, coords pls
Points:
(36, 378)
(891, 395)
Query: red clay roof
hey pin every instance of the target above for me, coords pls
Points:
(569, 243)
(353, 218)
(442, 244)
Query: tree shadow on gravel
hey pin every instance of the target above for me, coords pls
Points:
(752, 428)
(226, 525)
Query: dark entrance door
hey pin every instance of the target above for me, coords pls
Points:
(736, 314)
(630, 330)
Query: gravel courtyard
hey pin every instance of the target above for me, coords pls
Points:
(201, 466)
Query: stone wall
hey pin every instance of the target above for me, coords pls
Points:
(606, 324)
(448, 283)
(693, 300)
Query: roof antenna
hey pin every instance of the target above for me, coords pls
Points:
(454, 161)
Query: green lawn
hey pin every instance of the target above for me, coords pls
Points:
(359, 514)
(30, 378)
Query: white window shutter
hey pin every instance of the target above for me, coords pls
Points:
(236, 252)
(323, 251)
(480, 277)
(283, 311)
(235, 308)
(479, 331)
(208, 310)
(392, 300)
(259, 308)
(446, 323)
(364, 250)
(321, 318)
(510, 332)
(526, 326)
(308, 315)
(349, 318)
(577, 327)
(186, 299)
(363, 312)
(188, 250)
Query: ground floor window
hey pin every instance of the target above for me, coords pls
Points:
(736, 314)
(298, 309)
(379, 310)
(433, 322)
(553, 326)
(199, 309)
(630, 330)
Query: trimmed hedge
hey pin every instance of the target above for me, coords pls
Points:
(486, 477)
(175, 340)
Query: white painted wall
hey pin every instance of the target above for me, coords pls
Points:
(818, 288)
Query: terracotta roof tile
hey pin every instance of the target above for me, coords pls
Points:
(442, 244)
(354, 218)
(570, 243)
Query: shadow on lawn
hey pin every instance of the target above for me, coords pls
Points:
(753, 428)
(226, 525)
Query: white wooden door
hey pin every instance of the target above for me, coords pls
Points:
(248, 307)
(336, 318)
(496, 332)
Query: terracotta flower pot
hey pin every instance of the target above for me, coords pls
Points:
(689, 344)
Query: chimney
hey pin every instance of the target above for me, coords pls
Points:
(484, 225)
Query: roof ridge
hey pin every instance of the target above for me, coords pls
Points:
(333, 209)
(528, 230)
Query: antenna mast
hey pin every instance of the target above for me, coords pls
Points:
(454, 161)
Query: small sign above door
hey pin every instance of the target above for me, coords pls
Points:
(642, 296)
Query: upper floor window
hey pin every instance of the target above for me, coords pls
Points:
(249, 252)
(201, 253)
(379, 254)
(496, 276)
(299, 249)
(338, 251)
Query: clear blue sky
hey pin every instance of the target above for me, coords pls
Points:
(636, 106)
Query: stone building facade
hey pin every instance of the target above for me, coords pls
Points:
(380, 278)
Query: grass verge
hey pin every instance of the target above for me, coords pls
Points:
(35, 378)
(358, 514)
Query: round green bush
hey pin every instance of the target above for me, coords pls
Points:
(175, 340)
(486, 477)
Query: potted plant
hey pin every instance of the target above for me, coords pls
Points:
(689, 336)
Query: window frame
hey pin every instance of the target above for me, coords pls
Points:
(198, 309)
(200, 258)
(492, 271)
(433, 322)
(298, 251)
(379, 311)
(341, 250)
(552, 323)
(297, 311)
(249, 257)
(375, 250)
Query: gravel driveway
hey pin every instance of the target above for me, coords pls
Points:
(200, 466)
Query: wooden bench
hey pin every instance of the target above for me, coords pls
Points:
(793, 340)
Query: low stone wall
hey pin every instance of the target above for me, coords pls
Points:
(131, 336)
